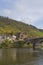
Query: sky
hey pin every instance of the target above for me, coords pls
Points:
(27, 11)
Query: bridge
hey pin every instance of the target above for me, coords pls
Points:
(34, 41)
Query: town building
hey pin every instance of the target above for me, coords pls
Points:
(21, 36)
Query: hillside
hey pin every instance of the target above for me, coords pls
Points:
(41, 30)
(12, 26)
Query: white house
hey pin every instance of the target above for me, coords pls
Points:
(13, 37)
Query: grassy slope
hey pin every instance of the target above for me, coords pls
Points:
(8, 25)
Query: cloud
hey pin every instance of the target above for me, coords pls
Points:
(7, 11)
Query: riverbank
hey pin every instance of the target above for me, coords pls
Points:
(14, 44)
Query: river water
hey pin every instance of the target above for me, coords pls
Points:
(21, 56)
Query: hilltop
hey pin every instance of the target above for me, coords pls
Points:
(8, 25)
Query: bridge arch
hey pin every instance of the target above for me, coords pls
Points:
(34, 41)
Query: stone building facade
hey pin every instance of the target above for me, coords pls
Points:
(21, 36)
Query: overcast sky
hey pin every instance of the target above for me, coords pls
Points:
(28, 11)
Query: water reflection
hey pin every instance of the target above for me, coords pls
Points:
(24, 56)
(18, 56)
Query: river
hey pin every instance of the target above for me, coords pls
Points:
(21, 56)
